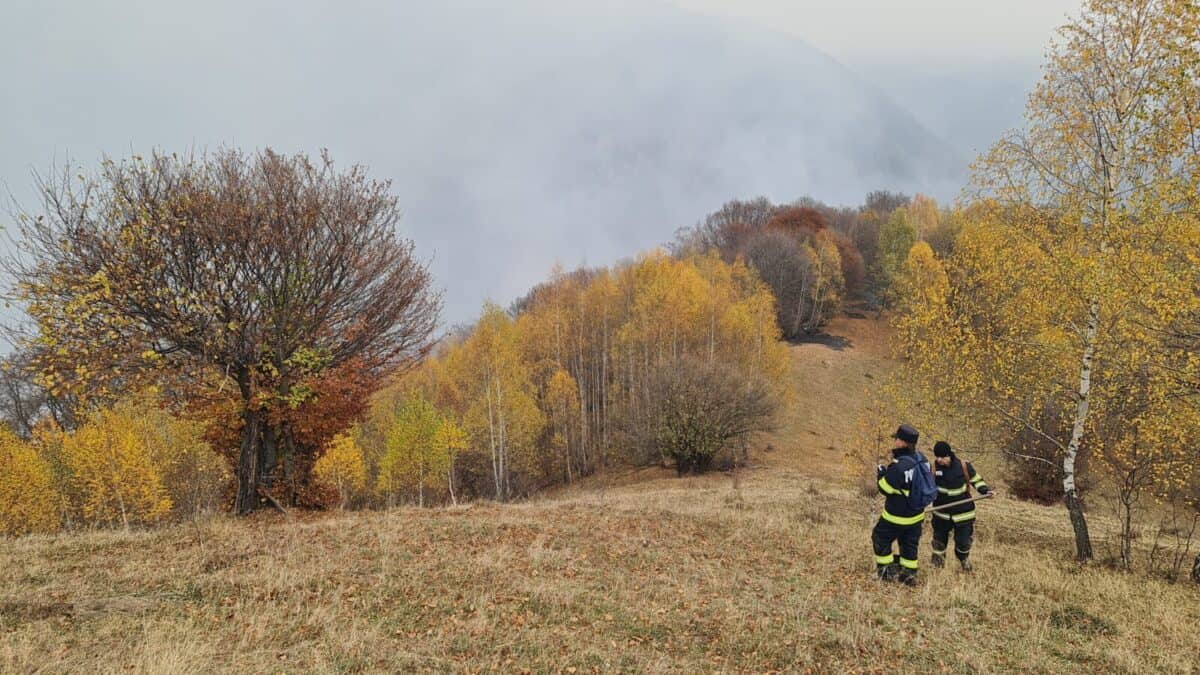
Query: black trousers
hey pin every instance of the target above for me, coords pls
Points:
(964, 534)
(909, 536)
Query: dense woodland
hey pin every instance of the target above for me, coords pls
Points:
(817, 258)
(241, 331)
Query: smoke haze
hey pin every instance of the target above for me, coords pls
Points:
(516, 134)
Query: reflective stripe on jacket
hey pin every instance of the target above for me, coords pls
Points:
(952, 487)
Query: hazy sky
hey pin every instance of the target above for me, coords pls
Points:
(963, 67)
(518, 133)
(916, 33)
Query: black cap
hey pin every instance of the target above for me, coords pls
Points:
(942, 449)
(907, 434)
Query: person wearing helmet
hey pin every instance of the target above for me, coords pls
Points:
(954, 477)
(900, 521)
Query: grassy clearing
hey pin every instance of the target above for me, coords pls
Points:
(674, 576)
(768, 572)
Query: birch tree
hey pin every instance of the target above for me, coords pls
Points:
(1067, 271)
(896, 238)
(415, 459)
(500, 401)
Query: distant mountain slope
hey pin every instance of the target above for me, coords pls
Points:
(517, 133)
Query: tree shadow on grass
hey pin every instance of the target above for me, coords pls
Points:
(837, 343)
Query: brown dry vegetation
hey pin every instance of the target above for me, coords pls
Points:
(768, 570)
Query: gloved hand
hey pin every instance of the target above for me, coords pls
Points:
(985, 490)
(879, 471)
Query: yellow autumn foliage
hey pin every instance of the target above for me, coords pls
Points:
(416, 458)
(922, 289)
(547, 392)
(195, 477)
(1072, 302)
(342, 467)
(28, 499)
(112, 478)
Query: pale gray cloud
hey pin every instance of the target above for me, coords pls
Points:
(517, 134)
(963, 67)
(911, 33)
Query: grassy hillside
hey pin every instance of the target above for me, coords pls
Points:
(768, 570)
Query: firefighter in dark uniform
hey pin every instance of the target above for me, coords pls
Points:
(954, 477)
(898, 522)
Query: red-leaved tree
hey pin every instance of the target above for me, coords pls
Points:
(283, 277)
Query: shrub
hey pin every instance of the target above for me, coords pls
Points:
(1035, 467)
(342, 468)
(699, 408)
(28, 500)
(112, 478)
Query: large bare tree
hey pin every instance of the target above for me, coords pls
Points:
(257, 272)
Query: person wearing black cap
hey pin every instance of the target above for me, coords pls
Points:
(954, 478)
(899, 521)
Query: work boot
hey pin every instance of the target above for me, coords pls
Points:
(938, 559)
(966, 564)
(908, 577)
(889, 572)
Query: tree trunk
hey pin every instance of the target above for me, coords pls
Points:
(248, 467)
(1083, 541)
(583, 416)
(492, 440)
(124, 513)
(502, 430)
(247, 470)
(814, 317)
(1126, 533)
(712, 334)
(799, 309)
(288, 440)
(268, 452)
(582, 375)
(603, 395)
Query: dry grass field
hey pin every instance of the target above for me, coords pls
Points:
(768, 570)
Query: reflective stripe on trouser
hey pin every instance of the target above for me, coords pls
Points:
(955, 517)
(910, 564)
(887, 533)
(964, 534)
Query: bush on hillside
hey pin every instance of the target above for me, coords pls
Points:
(28, 500)
(1035, 469)
(342, 468)
(133, 463)
(112, 476)
(697, 408)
